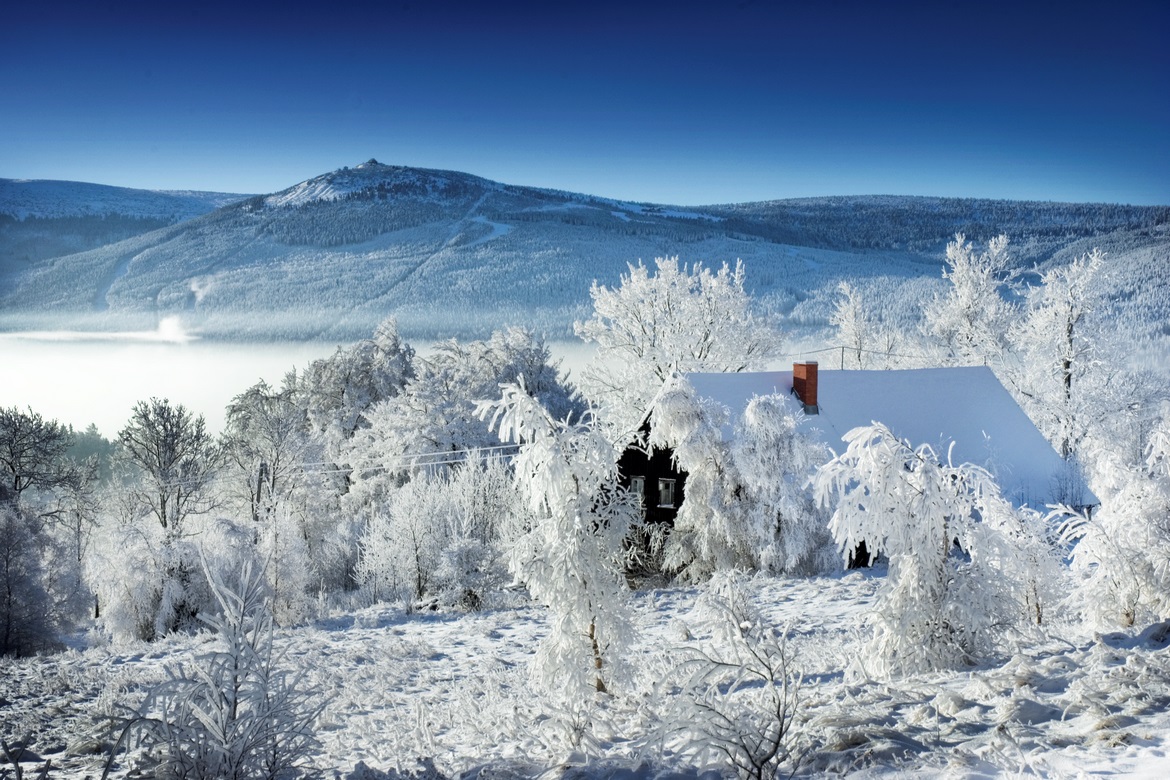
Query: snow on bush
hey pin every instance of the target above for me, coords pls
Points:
(964, 565)
(139, 578)
(443, 534)
(734, 696)
(234, 713)
(746, 504)
(1124, 553)
(149, 583)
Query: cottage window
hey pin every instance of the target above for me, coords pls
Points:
(666, 493)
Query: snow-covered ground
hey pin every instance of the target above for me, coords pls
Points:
(452, 691)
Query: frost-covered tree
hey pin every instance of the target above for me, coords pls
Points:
(746, 504)
(709, 533)
(680, 319)
(571, 559)
(866, 336)
(444, 535)
(147, 566)
(401, 544)
(276, 480)
(51, 493)
(432, 423)
(1123, 554)
(175, 459)
(33, 454)
(335, 395)
(963, 564)
(235, 713)
(971, 320)
(1056, 341)
(265, 444)
(28, 621)
(775, 459)
(856, 333)
(338, 391)
(149, 583)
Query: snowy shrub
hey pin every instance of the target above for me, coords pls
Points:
(747, 505)
(235, 713)
(736, 695)
(444, 534)
(964, 566)
(141, 580)
(1123, 554)
(488, 516)
(571, 559)
(148, 583)
(332, 538)
(467, 571)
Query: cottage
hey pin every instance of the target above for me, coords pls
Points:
(965, 412)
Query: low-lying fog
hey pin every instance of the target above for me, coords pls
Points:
(91, 377)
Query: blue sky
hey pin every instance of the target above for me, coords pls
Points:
(682, 102)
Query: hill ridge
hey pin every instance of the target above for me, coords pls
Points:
(454, 254)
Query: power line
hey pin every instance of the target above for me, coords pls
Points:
(387, 464)
(843, 349)
(415, 455)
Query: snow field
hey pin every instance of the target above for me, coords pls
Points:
(454, 689)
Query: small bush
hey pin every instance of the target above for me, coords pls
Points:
(737, 695)
(234, 714)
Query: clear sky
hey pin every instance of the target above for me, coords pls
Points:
(680, 102)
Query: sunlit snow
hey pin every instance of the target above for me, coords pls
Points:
(454, 689)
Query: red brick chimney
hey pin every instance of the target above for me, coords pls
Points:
(804, 385)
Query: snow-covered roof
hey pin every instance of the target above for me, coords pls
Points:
(935, 406)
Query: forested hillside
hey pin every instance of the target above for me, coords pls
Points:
(45, 219)
(452, 254)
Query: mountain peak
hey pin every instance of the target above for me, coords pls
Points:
(373, 179)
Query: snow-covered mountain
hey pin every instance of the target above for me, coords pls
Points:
(40, 220)
(41, 199)
(453, 254)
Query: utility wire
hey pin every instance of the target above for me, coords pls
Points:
(387, 464)
(839, 348)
